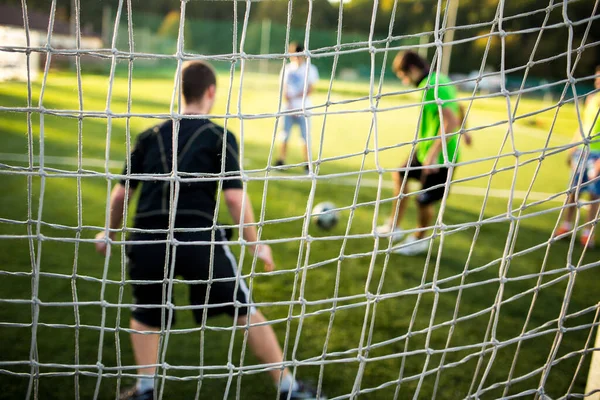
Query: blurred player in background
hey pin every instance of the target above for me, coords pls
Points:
(202, 146)
(426, 164)
(299, 78)
(589, 173)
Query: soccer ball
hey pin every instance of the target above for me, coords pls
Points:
(325, 215)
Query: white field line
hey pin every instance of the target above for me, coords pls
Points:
(455, 189)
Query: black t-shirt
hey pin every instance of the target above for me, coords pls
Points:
(199, 166)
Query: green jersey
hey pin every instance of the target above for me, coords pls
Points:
(430, 120)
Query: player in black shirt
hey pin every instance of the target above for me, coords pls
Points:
(205, 155)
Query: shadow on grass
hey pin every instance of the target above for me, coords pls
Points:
(62, 97)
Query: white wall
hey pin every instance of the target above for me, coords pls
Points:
(13, 64)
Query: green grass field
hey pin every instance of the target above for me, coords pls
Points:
(385, 303)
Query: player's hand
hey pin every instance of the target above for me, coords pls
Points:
(101, 245)
(263, 252)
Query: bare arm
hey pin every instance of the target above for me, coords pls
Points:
(462, 115)
(115, 218)
(571, 151)
(451, 124)
(234, 199)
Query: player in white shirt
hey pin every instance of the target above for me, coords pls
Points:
(297, 86)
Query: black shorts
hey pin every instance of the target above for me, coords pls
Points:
(434, 185)
(148, 262)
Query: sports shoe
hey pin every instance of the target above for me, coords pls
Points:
(132, 393)
(396, 234)
(412, 246)
(279, 163)
(587, 240)
(304, 392)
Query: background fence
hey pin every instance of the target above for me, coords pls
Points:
(157, 34)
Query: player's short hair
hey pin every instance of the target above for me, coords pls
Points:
(196, 78)
(407, 59)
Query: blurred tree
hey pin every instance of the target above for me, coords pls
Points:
(324, 14)
(412, 16)
(170, 29)
(170, 25)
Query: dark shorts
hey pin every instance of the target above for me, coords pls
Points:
(592, 186)
(148, 262)
(434, 185)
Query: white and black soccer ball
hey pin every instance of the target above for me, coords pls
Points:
(325, 216)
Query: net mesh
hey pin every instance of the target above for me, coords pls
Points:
(493, 309)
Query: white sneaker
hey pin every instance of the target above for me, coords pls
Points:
(396, 234)
(412, 246)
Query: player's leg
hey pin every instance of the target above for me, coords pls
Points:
(282, 153)
(434, 189)
(265, 346)
(146, 263)
(587, 239)
(261, 337)
(263, 342)
(304, 124)
(569, 213)
(284, 137)
(145, 347)
(568, 217)
(400, 201)
(425, 217)
(145, 352)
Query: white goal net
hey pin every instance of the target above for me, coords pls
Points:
(500, 302)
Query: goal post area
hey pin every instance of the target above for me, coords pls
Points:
(500, 303)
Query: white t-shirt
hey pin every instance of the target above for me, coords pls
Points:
(294, 86)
